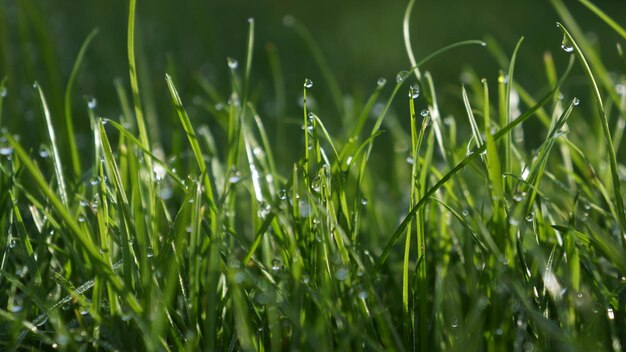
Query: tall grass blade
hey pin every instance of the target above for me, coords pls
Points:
(69, 120)
(56, 156)
(193, 141)
(407, 38)
(134, 83)
(604, 17)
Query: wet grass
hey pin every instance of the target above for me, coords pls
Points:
(514, 236)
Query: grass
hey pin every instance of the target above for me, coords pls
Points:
(513, 235)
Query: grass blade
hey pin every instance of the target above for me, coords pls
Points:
(407, 38)
(134, 83)
(58, 167)
(69, 121)
(604, 17)
(193, 141)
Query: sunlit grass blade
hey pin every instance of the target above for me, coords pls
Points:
(193, 141)
(134, 82)
(56, 156)
(126, 231)
(472, 120)
(506, 118)
(407, 38)
(492, 162)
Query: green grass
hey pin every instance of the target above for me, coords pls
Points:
(208, 235)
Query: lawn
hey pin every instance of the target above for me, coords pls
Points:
(282, 199)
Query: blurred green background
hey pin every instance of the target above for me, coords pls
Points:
(362, 41)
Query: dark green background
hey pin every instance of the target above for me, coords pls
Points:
(362, 40)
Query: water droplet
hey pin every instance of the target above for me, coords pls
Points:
(576, 101)
(150, 252)
(308, 83)
(363, 295)
(6, 151)
(610, 314)
(81, 219)
(513, 221)
(17, 309)
(43, 152)
(401, 76)
(364, 201)
(282, 194)
(530, 217)
(409, 160)
(277, 264)
(414, 91)
(316, 185)
(92, 103)
(94, 181)
(424, 113)
(234, 176)
(381, 82)
(232, 63)
(341, 274)
(159, 172)
(518, 197)
(264, 210)
(83, 203)
(454, 322)
(465, 212)
(188, 229)
(3, 92)
(566, 45)
(499, 331)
